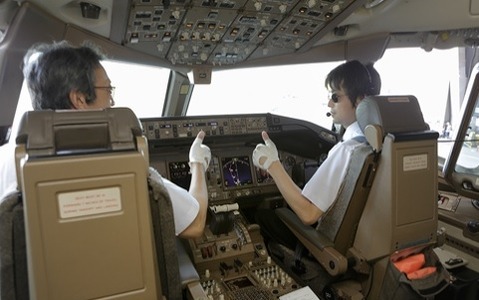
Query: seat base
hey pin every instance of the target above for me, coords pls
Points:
(309, 274)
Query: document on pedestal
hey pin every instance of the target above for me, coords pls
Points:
(304, 293)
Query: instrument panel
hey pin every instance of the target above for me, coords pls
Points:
(231, 257)
(176, 128)
(232, 139)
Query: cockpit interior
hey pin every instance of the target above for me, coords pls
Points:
(91, 218)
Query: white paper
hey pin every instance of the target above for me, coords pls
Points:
(304, 293)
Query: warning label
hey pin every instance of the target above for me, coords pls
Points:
(89, 202)
(415, 162)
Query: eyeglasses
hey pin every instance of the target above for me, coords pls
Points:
(111, 91)
(334, 97)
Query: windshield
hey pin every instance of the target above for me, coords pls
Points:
(298, 90)
(139, 87)
(295, 91)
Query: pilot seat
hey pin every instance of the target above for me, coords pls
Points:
(385, 214)
(91, 219)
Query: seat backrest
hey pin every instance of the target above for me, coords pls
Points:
(339, 224)
(401, 210)
(88, 224)
(336, 232)
(400, 216)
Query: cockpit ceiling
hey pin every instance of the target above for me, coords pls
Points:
(226, 32)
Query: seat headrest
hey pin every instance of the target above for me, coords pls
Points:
(49, 132)
(394, 114)
(380, 115)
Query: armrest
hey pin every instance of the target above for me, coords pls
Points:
(188, 272)
(318, 245)
(189, 277)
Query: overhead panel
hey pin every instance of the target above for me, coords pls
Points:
(225, 32)
(201, 32)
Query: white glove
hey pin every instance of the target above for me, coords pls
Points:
(266, 153)
(200, 153)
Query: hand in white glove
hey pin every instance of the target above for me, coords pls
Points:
(200, 153)
(265, 154)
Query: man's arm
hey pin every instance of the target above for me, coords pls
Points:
(304, 209)
(200, 156)
(199, 191)
(265, 156)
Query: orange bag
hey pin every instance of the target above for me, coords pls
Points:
(411, 263)
(421, 273)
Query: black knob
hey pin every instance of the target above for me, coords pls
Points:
(473, 226)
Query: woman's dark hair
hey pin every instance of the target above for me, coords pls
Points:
(356, 79)
(53, 70)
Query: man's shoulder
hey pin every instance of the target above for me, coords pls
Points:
(8, 179)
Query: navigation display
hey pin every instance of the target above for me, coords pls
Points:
(236, 171)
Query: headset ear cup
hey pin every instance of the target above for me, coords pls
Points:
(374, 80)
(370, 87)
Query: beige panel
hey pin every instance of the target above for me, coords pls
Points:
(401, 210)
(474, 7)
(89, 228)
(415, 185)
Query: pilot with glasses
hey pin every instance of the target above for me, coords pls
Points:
(60, 76)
